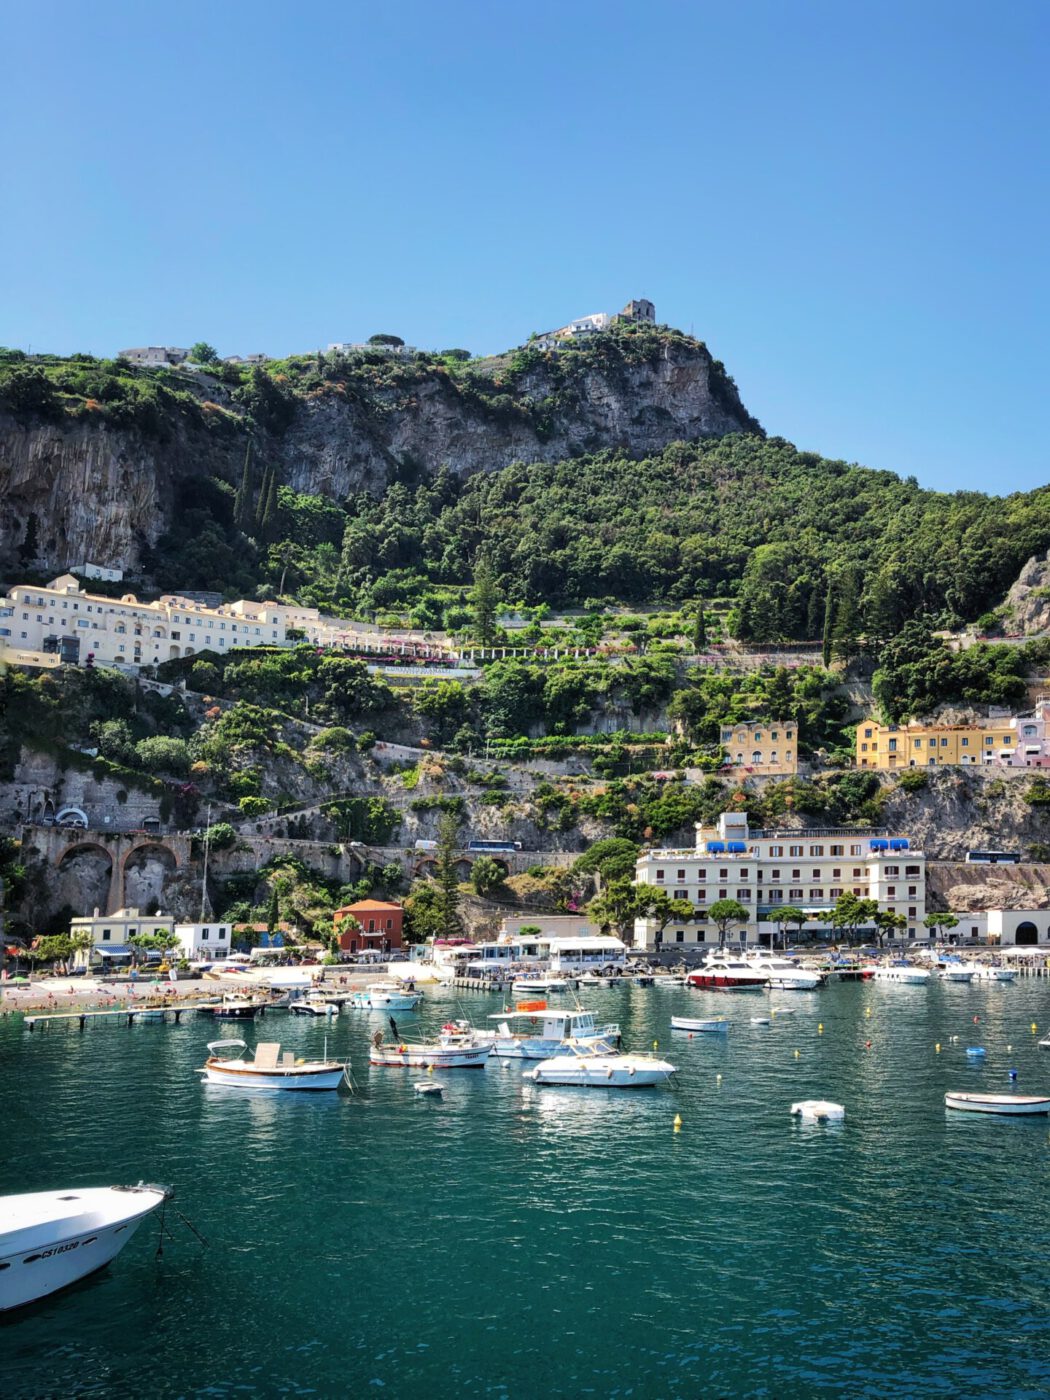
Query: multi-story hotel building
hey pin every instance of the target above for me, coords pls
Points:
(64, 620)
(766, 869)
(761, 747)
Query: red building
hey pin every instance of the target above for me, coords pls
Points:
(380, 926)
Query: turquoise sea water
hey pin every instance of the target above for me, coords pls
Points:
(516, 1242)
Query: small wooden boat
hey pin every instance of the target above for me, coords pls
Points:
(691, 1023)
(998, 1103)
(447, 1052)
(270, 1069)
(232, 1008)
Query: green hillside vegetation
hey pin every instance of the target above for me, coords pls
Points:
(792, 544)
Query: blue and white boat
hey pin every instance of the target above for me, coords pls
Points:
(540, 1033)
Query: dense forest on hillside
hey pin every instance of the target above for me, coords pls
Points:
(792, 544)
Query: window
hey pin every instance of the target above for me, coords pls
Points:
(856, 873)
(795, 894)
(659, 874)
(912, 914)
(221, 935)
(774, 874)
(106, 935)
(867, 733)
(795, 851)
(796, 874)
(774, 734)
(744, 896)
(891, 891)
(723, 874)
(776, 850)
(701, 874)
(892, 746)
(723, 894)
(679, 936)
(680, 876)
(816, 894)
(916, 743)
(836, 850)
(834, 893)
(836, 874)
(944, 743)
(893, 870)
(965, 743)
(855, 850)
(989, 740)
(741, 874)
(814, 874)
(816, 850)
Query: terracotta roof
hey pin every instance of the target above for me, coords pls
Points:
(365, 905)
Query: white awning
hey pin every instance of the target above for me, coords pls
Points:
(113, 952)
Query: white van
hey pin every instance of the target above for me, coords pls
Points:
(426, 846)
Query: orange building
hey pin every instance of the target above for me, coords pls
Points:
(378, 928)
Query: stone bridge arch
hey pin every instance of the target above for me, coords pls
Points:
(144, 870)
(86, 876)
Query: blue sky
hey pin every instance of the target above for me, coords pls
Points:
(847, 202)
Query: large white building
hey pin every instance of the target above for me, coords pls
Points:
(64, 620)
(204, 942)
(766, 869)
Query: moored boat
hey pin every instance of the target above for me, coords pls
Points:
(50, 1239)
(315, 1005)
(587, 1071)
(270, 1069)
(703, 1024)
(447, 1052)
(538, 1032)
(950, 969)
(542, 985)
(992, 972)
(1011, 1104)
(232, 1008)
(386, 996)
(722, 972)
(901, 972)
(785, 975)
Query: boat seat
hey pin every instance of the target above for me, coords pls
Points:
(288, 1058)
(266, 1053)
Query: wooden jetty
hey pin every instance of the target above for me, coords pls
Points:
(131, 1014)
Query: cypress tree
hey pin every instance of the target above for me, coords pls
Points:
(700, 629)
(244, 491)
(273, 918)
(447, 878)
(270, 509)
(260, 504)
(829, 622)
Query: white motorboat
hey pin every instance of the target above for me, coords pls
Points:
(721, 972)
(449, 1051)
(432, 1087)
(594, 979)
(954, 970)
(998, 1103)
(691, 1023)
(992, 972)
(542, 985)
(50, 1239)
(386, 996)
(315, 1005)
(818, 1111)
(537, 1033)
(587, 1071)
(270, 1069)
(785, 975)
(902, 972)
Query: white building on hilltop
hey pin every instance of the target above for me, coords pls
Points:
(155, 356)
(764, 870)
(585, 326)
(62, 619)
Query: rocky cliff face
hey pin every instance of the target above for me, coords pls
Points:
(82, 490)
(1027, 605)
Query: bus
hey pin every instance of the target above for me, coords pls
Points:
(993, 858)
(493, 847)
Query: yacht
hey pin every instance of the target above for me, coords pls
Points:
(951, 969)
(386, 996)
(590, 1071)
(722, 972)
(990, 972)
(901, 971)
(543, 983)
(50, 1239)
(454, 1049)
(540, 1033)
(786, 975)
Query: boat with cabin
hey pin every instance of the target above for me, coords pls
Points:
(950, 969)
(785, 975)
(722, 972)
(270, 1069)
(542, 984)
(386, 996)
(992, 972)
(233, 1007)
(536, 1032)
(589, 1071)
(901, 971)
(50, 1239)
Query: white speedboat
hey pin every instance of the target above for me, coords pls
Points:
(538, 1033)
(992, 972)
(721, 972)
(542, 985)
(954, 970)
(587, 1071)
(315, 1005)
(594, 979)
(904, 972)
(270, 1069)
(386, 996)
(691, 1023)
(785, 975)
(998, 1103)
(50, 1239)
(448, 1051)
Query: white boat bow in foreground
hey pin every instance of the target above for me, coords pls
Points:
(50, 1239)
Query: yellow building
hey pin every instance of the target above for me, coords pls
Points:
(918, 745)
(761, 747)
